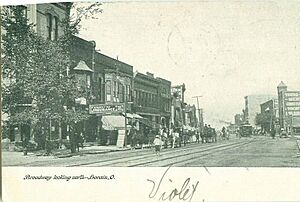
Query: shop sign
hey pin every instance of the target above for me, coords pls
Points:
(104, 109)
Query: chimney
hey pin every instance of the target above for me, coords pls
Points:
(150, 74)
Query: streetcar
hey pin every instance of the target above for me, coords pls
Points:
(245, 130)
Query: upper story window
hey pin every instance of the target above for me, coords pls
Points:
(55, 27)
(100, 90)
(128, 93)
(121, 93)
(108, 90)
(52, 27)
(115, 90)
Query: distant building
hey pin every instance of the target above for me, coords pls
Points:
(238, 119)
(177, 113)
(289, 109)
(164, 100)
(178, 91)
(252, 106)
(146, 98)
(190, 116)
(269, 115)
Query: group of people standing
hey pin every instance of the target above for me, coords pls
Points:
(208, 134)
(175, 137)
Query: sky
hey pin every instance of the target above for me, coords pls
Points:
(220, 50)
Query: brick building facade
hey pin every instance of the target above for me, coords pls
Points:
(146, 96)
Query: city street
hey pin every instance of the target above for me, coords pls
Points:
(245, 152)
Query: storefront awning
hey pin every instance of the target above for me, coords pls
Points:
(113, 122)
(187, 127)
(135, 116)
(149, 123)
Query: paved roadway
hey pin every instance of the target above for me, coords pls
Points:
(248, 152)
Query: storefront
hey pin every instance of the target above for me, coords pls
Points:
(113, 130)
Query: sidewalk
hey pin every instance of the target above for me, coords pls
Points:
(13, 157)
(94, 149)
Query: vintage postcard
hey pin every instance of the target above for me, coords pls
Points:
(150, 101)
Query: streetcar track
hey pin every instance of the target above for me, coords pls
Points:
(185, 161)
(182, 155)
(133, 157)
(150, 156)
(170, 150)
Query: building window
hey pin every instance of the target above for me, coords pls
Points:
(142, 99)
(139, 97)
(128, 93)
(99, 88)
(152, 100)
(121, 92)
(49, 26)
(135, 96)
(52, 27)
(88, 81)
(108, 87)
(114, 88)
(55, 26)
(108, 90)
(82, 81)
(147, 99)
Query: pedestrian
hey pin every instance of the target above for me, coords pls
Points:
(273, 132)
(180, 132)
(157, 145)
(224, 132)
(209, 134)
(133, 138)
(184, 136)
(171, 137)
(205, 133)
(214, 135)
(165, 138)
(80, 141)
(197, 137)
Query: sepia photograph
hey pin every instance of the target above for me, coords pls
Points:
(151, 84)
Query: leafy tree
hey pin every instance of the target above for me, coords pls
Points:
(264, 120)
(34, 73)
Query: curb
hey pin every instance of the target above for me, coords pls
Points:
(88, 152)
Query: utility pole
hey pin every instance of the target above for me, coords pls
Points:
(198, 109)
